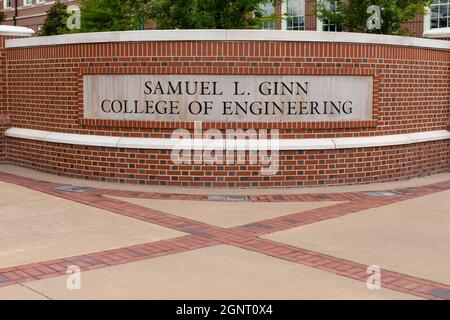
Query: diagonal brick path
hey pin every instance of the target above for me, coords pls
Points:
(103, 259)
(356, 271)
(202, 235)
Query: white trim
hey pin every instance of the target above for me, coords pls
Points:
(437, 33)
(319, 22)
(5, 6)
(276, 144)
(15, 31)
(78, 139)
(25, 4)
(283, 13)
(319, 25)
(427, 21)
(228, 35)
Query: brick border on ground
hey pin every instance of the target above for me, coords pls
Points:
(202, 235)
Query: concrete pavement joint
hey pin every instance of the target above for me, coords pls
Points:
(35, 291)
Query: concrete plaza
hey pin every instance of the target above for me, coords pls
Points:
(140, 242)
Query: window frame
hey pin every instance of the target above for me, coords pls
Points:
(428, 30)
(284, 9)
(265, 6)
(320, 24)
(7, 6)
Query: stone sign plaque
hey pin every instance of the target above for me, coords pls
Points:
(224, 98)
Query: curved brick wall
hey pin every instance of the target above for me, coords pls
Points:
(411, 94)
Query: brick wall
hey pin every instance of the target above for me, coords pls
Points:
(30, 16)
(310, 17)
(3, 112)
(411, 94)
(297, 169)
(415, 27)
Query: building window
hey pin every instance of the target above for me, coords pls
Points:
(268, 10)
(332, 27)
(27, 2)
(6, 4)
(295, 10)
(325, 24)
(440, 14)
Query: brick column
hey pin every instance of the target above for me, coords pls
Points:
(3, 91)
(310, 17)
(6, 32)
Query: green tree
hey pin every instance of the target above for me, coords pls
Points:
(353, 16)
(2, 16)
(55, 23)
(207, 14)
(111, 15)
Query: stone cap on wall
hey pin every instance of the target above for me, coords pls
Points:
(15, 31)
(213, 144)
(229, 35)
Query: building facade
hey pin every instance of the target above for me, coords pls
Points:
(301, 17)
(27, 13)
(32, 13)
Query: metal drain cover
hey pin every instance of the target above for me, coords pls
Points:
(380, 194)
(225, 198)
(72, 189)
(440, 293)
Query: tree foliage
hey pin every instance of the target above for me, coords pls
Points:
(2, 16)
(207, 14)
(108, 15)
(118, 15)
(55, 23)
(115, 15)
(353, 16)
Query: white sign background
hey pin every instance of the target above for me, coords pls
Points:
(357, 89)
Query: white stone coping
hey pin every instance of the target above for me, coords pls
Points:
(437, 33)
(16, 31)
(275, 144)
(228, 35)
